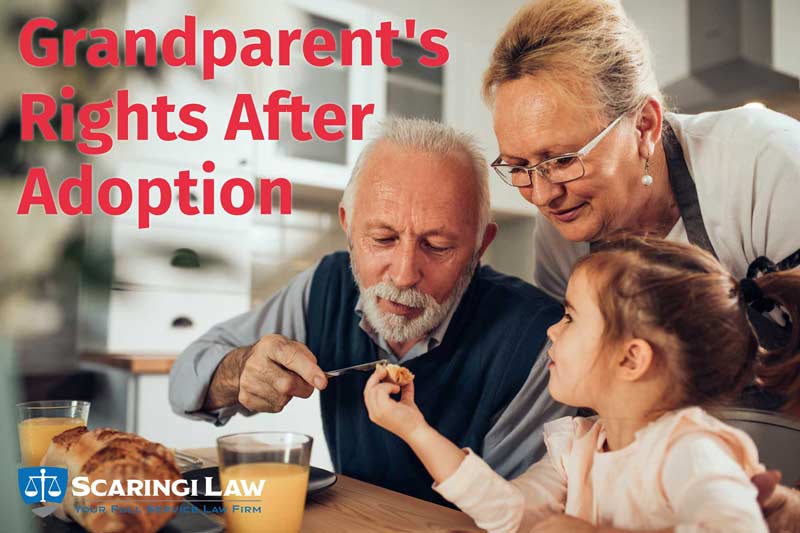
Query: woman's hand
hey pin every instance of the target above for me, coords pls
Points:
(780, 504)
(402, 417)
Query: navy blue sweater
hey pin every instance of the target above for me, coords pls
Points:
(485, 357)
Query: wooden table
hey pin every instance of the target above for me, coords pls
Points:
(134, 363)
(354, 506)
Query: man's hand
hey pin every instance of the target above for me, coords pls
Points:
(780, 504)
(275, 370)
(265, 376)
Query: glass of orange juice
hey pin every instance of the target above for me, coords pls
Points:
(280, 461)
(39, 422)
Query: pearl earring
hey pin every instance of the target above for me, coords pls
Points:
(647, 179)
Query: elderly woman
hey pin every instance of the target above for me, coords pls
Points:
(584, 135)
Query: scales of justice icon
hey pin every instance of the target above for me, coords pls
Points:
(53, 488)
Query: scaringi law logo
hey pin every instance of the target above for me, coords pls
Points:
(41, 484)
(44, 485)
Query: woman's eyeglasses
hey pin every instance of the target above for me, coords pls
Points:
(559, 169)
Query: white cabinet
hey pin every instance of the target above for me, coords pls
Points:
(180, 258)
(165, 321)
(169, 285)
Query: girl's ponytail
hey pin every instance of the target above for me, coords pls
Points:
(778, 370)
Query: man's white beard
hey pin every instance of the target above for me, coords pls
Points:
(397, 328)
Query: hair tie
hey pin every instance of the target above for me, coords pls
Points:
(761, 265)
(754, 296)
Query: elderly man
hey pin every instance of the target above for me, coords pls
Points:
(416, 214)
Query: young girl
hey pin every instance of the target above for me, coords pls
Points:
(653, 332)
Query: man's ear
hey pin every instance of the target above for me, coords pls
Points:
(648, 126)
(343, 218)
(635, 360)
(488, 237)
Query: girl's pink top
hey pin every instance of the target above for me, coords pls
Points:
(686, 470)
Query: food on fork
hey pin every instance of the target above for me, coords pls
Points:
(399, 375)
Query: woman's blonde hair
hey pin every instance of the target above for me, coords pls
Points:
(577, 42)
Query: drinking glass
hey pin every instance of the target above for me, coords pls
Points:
(275, 467)
(39, 422)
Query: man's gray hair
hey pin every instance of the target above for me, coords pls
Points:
(428, 137)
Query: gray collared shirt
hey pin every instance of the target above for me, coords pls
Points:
(512, 444)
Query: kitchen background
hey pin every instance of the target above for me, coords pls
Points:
(104, 307)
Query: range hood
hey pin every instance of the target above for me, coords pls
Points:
(730, 43)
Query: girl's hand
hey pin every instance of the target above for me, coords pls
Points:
(440, 456)
(561, 522)
(401, 418)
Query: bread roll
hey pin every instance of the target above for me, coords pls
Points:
(109, 454)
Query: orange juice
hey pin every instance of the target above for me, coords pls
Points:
(35, 435)
(281, 501)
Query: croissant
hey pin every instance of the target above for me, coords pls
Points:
(109, 454)
(399, 375)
